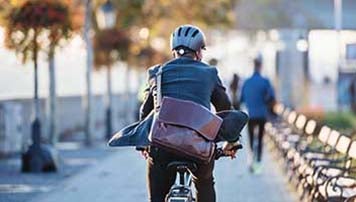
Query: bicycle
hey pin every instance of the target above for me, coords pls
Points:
(182, 191)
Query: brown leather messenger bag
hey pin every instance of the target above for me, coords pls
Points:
(183, 127)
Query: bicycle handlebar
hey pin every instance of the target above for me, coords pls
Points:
(220, 153)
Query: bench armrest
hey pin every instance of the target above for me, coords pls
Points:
(333, 182)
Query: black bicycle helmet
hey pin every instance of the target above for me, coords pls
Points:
(187, 36)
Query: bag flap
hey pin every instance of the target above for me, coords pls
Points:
(135, 134)
(233, 123)
(189, 114)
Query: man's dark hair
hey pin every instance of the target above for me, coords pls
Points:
(257, 62)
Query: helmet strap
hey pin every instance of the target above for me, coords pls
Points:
(183, 52)
(180, 52)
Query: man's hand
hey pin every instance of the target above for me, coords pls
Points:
(229, 150)
(144, 152)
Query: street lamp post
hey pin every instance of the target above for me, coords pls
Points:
(338, 28)
(338, 22)
(106, 16)
(303, 47)
(106, 19)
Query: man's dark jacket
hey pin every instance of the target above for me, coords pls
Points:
(185, 79)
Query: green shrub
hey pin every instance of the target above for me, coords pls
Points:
(343, 121)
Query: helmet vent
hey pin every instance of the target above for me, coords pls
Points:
(186, 32)
(195, 33)
(179, 30)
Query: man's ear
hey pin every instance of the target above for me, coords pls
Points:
(199, 55)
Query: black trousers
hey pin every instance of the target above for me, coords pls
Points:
(160, 179)
(260, 125)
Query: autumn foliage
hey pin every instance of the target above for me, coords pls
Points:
(40, 14)
(29, 21)
(110, 45)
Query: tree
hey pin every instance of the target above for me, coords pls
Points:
(72, 23)
(110, 45)
(32, 26)
(162, 16)
(88, 102)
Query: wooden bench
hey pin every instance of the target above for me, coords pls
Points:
(336, 153)
(339, 180)
(318, 160)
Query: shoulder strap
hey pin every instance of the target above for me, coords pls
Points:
(158, 83)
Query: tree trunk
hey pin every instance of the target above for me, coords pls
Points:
(88, 101)
(36, 127)
(127, 96)
(36, 96)
(52, 99)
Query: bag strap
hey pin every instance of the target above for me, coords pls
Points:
(159, 90)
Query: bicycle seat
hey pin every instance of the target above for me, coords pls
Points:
(182, 166)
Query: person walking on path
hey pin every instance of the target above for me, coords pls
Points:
(234, 89)
(257, 94)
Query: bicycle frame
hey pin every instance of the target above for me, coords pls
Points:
(181, 191)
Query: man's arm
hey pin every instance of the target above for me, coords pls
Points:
(242, 96)
(148, 101)
(270, 93)
(147, 105)
(145, 109)
(219, 97)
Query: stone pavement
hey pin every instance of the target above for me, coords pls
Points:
(121, 177)
(16, 186)
(242, 186)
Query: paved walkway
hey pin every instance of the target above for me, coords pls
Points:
(16, 186)
(121, 177)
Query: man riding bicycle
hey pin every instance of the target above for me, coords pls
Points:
(184, 77)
